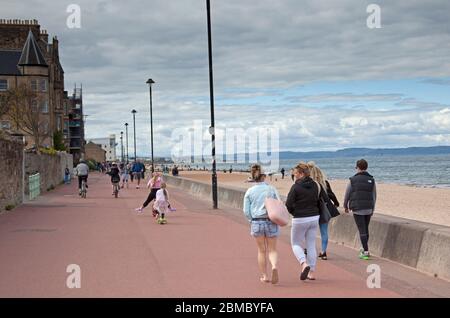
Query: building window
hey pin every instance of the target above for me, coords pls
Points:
(34, 85)
(58, 123)
(3, 84)
(45, 125)
(44, 106)
(34, 105)
(43, 85)
(5, 125)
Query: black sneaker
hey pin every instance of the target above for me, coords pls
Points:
(323, 256)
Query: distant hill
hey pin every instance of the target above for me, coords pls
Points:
(362, 152)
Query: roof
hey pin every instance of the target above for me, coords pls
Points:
(31, 53)
(8, 62)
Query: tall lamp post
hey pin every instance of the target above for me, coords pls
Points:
(134, 127)
(150, 82)
(211, 93)
(126, 139)
(121, 145)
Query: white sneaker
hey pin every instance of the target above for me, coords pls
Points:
(138, 210)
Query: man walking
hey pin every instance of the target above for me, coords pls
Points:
(360, 198)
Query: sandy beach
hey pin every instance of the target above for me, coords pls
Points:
(422, 204)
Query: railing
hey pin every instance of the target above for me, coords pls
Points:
(34, 186)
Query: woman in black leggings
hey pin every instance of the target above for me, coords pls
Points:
(155, 185)
(360, 198)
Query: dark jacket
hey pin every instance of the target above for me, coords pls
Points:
(303, 198)
(361, 195)
(331, 194)
(115, 174)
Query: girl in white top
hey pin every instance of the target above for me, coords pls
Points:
(161, 204)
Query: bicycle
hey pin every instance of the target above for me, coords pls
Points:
(83, 189)
(116, 189)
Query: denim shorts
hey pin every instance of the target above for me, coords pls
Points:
(264, 228)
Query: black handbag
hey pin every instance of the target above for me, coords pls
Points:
(332, 208)
(325, 215)
(324, 212)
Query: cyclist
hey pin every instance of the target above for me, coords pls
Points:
(115, 176)
(82, 171)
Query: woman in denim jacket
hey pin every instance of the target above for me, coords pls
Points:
(262, 229)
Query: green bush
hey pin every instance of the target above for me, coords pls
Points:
(58, 141)
(51, 187)
(92, 164)
(9, 207)
(49, 151)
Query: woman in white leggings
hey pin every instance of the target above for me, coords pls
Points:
(302, 203)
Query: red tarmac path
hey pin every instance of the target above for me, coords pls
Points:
(199, 253)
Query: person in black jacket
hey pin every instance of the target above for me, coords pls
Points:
(115, 175)
(360, 198)
(318, 176)
(302, 203)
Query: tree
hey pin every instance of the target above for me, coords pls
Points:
(58, 141)
(27, 113)
(4, 103)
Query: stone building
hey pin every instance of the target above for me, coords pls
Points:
(109, 145)
(27, 57)
(95, 152)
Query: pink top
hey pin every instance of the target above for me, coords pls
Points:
(157, 184)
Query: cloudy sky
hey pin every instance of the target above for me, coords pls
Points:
(311, 68)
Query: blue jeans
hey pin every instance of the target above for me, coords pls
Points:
(264, 228)
(324, 236)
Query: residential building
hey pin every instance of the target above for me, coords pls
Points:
(74, 124)
(28, 58)
(94, 152)
(108, 144)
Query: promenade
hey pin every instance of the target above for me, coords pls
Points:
(199, 253)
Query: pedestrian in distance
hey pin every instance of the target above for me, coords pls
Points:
(67, 175)
(262, 228)
(138, 167)
(360, 198)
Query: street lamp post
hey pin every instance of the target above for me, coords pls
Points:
(134, 127)
(121, 145)
(126, 138)
(150, 82)
(211, 93)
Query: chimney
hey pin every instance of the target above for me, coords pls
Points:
(44, 36)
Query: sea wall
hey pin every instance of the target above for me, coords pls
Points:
(50, 168)
(419, 245)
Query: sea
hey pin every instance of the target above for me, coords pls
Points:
(417, 170)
